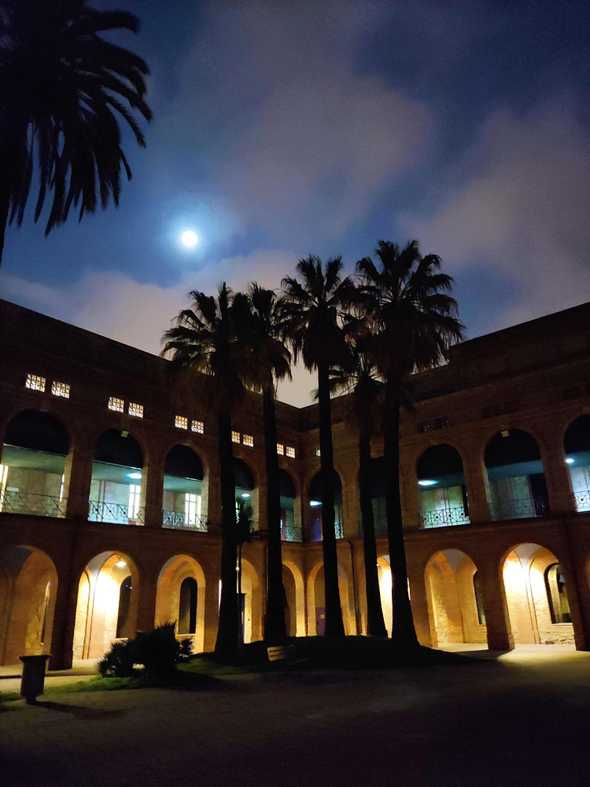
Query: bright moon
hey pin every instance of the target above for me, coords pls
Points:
(189, 239)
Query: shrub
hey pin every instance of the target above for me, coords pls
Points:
(159, 651)
(118, 662)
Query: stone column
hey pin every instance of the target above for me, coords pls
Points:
(571, 560)
(78, 475)
(146, 601)
(410, 498)
(153, 489)
(494, 599)
(351, 514)
(211, 603)
(64, 620)
(557, 477)
(474, 472)
(416, 575)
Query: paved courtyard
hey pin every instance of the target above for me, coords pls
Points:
(521, 718)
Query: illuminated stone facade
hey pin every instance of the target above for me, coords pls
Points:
(107, 527)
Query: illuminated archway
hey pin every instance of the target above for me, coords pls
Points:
(106, 609)
(295, 598)
(117, 489)
(515, 477)
(442, 489)
(28, 591)
(183, 490)
(315, 489)
(174, 598)
(455, 602)
(317, 601)
(385, 590)
(33, 465)
(577, 457)
(536, 596)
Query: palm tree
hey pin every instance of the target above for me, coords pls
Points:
(359, 378)
(415, 322)
(272, 361)
(207, 339)
(63, 89)
(312, 310)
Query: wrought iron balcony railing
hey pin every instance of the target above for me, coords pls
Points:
(445, 517)
(518, 508)
(582, 497)
(291, 533)
(13, 502)
(115, 513)
(178, 521)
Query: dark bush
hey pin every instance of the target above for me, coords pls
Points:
(118, 662)
(159, 651)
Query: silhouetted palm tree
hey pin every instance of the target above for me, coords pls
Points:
(63, 89)
(207, 338)
(271, 362)
(359, 378)
(415, 322)
(312, 307)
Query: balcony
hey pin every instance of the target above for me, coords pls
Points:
(582, 498)
(108, 512)
(176, 520)
(17, 502)
(445, 517)
(291, 533)
(503, 508)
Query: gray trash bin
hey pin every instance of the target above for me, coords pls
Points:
(33, 680)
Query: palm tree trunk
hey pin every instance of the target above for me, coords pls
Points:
(334, 624)
(375, 622)
(4, 209)
(227, 642)
(274, 623)
(403, 632)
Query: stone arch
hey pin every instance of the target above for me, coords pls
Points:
(576, 444)
(172, 574)
(442, 488)
(252, 604)
(523, 568)
(291, 528)
(184, 500)
(515, 476)
(314, 495)
(385, 590)
(247, 487)
(118, 484)
(28, 592)
(316, 600)
(98, 622)
(454, 609)
(34, 467)
(295, 598)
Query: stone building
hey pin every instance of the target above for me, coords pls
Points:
(110, 503)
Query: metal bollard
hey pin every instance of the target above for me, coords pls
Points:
(33, 679)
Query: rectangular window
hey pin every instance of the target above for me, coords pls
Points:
(60, 389)
(116, 405)
(135, 409)
(35, 382)
(198, 427)
(290, 452)
(248, 439)
(134, 501)
(181, 422)
(235, 437)
(280, 449)
(192, 508)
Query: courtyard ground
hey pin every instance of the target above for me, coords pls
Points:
(517, 719)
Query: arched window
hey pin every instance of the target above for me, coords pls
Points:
(556, 594)
(124, 607)
(477, 591)
(187, 607)
(441, 487)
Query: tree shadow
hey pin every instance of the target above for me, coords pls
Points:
(78, 711)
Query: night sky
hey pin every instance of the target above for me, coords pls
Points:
(283, 128)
